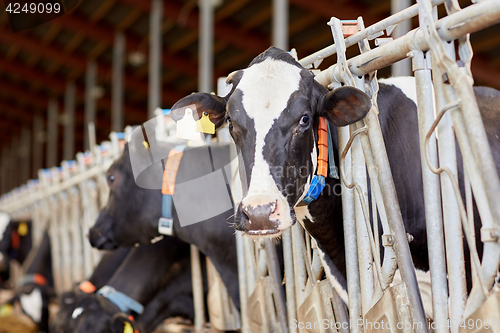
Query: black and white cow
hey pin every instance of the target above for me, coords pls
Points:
(35, 289)
(273, 110)
(68, 301)
(156, 275)
(132, 213)
(15, 244)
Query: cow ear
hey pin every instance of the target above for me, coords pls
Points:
(343, 106)
(214, 105)
(120, 323)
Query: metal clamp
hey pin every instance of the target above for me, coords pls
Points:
(489, 234)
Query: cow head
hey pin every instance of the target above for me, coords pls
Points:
(272, 111)
(126, 219)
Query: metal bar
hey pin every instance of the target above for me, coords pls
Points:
(38, 139)
(468, 20)
(351, 249)
(155, 54)
(451, 218)
(25, 154)
(366, 33)
(274, 273)
(198, 297)
(432, 196)
(403, 67)
(52, 126)
(240, 251)
(90, 104)
(280, 24)
(81, 177)
(69, 122)
(206, 42)
(5, 170)
(291, 302)
(298, 265)
(395, 219)
(117, 83)
(365, 257)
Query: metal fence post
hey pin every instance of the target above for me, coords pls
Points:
(432, 194)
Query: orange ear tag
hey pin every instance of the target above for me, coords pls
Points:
(205, 125)
(186, 127)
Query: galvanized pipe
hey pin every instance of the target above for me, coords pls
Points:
(240, 251)
(198, 295)
(468, 20)
(155, 54)
(25, 154)
(452, 224)
(90, 104)
(369, 33)
(38, 139)
(274, 273)
(365, 259)
(298, 264)
(432, 194)
(206, 57)
(52, 126)
(117, 82)
(393, 211)
(403, 67)
(280, 24)
(351, 248)
(69, 122)
(291, 302)
(4, 168)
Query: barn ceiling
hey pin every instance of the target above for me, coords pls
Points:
(36, 64)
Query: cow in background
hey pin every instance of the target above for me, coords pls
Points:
(15, 244)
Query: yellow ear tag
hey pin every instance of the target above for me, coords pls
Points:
(127, 328)
(6, 310)
(205, 125)
(22, 230)
(186, 127)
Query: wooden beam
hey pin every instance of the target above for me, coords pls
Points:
(79, 63)
(232, 34)
(302, 23)
(101, 11)
(258, 19)
(102, 32)
(229, 8)
(129, 19)
(327, 9)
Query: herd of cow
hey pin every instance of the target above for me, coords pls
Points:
(272, 112)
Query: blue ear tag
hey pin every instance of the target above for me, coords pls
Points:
(317, 186)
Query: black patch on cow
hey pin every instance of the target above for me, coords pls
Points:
(288, 146)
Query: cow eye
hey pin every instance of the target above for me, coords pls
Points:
(111, 178)
(304, 121)
(229, 122)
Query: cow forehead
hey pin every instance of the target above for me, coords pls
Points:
(266, 88)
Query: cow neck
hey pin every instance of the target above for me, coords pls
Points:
(326, 211)
(325, 152)
(165, 223)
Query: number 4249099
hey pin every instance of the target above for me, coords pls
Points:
(39, 8)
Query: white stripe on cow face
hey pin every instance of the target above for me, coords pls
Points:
(266, 88)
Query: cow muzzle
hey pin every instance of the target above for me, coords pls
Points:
(258, 217)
